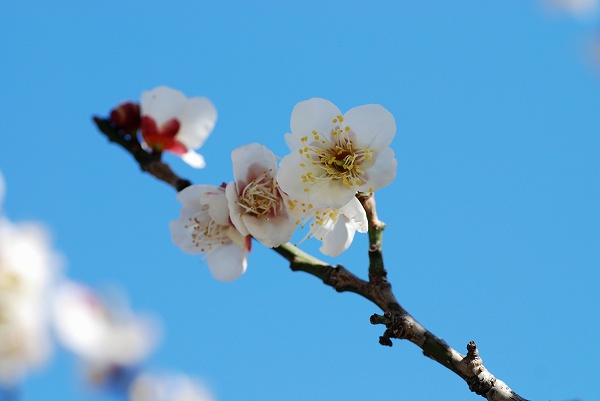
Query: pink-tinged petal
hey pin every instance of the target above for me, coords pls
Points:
(162, 103)
(242, 241)
(250, 161)
(382, 172)
(373, 125)
(192, 158)
(235, 210)
(339, 238)
(355, 212)
(227, 262)
(198, 118)
(177, 148)
(273, 232)
(314, 114)
(163, 137)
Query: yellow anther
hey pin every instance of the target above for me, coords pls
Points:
(340, 117)
(347, 128)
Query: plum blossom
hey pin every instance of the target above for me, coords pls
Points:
(334, 227)
(28, 268)
(574, 7)
(334, 155)
(257, 206)
(104, 335)
(167, 387)
(204, 227)
(172, 122)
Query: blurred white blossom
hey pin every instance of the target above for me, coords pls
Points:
(171, 121)
(152, 387)
(28, 268)
(101, 333)
(574, 7)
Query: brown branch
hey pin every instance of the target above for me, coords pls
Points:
(398, 322)
(148, 162)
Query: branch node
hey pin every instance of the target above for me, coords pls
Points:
(385, 340)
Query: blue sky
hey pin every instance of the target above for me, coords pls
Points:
(493, 223)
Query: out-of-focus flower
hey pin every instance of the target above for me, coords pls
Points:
(575, 7)
(28, 267)
(151, 387)
(175, 123)
(334, 227)
(334, 155)
(103, 335)
(256, 204)
(204, 227)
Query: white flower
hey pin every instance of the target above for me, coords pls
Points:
(102, 334)
(334, 155)
(204, 227)
(257, 206)
(152, 387)
(575, 7)
(173, 122)
(28, 267)
(334, 227)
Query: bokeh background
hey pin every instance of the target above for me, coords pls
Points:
(493, 225)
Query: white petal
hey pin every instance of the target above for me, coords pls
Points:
(250, 161)
(333, 194)
(227, 262)
(235, 210)
(292, 142)
(355, 212)
(182, 237)
(192, 196)
(273, 232)
(373, 125)
(313, 114)
(162, 103)
(218, 208)
(193, 159)
(197, 118)
(382, 172)
(322, 194)
(339, 238)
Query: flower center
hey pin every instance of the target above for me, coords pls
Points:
(261, 197)
(337, 157)
(207, 233)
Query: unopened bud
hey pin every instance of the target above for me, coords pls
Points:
(126, 117)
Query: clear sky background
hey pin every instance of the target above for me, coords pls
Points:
(493, 225)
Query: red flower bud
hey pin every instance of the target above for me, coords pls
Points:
(126, 117)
